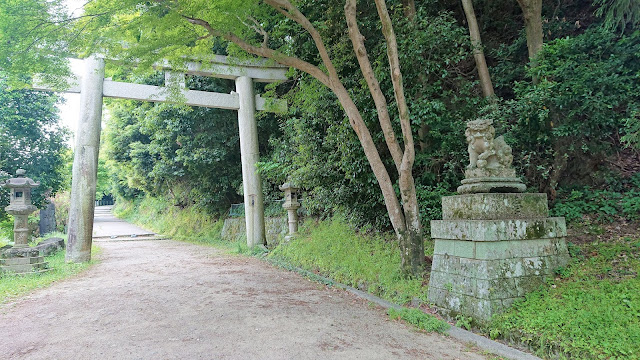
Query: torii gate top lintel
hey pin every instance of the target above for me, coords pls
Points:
(260, 70)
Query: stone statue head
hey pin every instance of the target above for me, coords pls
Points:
(490, 160)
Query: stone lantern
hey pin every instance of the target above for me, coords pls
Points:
(21, 258)
(20, 206)
(292, 205)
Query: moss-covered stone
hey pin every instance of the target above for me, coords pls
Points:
(492, 249)
(499, 230)
(493, 206)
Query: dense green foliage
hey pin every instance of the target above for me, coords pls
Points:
(321, 153)
(31, 138)
(187, 224)
(564, 128)
(189, 155)
(591, 312)
(618, 201)
(30, 40)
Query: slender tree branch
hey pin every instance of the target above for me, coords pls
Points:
(398, 88)
(264, 51)
(292, 12)
(374, 86)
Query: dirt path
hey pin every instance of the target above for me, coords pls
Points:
(172, 300)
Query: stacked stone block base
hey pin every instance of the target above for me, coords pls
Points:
(491, 249)
(22, 261)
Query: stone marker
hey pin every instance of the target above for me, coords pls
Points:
(495, 243)
(21, 258)
(47, 219)
(292, 205)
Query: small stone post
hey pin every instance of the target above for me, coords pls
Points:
(292, 205)
(21, 258)
(495, 243)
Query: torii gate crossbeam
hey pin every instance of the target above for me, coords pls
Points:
(93, 87)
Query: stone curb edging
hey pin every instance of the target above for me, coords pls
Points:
(457, 333)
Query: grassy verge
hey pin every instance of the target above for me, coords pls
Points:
(419, 319)
(367, 262)
(12, 286)
(184, 224)
(590, 311)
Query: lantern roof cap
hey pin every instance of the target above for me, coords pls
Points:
(20, 181)
(288, 186)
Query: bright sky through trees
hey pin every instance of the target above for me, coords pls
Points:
(70, 110)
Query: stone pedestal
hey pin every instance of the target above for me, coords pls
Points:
(22, 261)
(493, 248)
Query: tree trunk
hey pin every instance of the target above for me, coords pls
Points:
(478, 53)
(532, 11)
(413, 253)
(409, 9)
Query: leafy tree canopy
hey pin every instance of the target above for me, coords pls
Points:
(32, 139)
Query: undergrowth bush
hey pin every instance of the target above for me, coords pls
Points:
(604, 205)
(187, 224)
(370, 262)
(62, 201)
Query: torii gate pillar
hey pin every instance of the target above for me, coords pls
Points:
(85, 162)
(249, 153)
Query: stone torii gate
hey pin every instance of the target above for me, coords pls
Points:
(93, 87)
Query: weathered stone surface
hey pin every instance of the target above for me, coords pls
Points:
(37, 267)
(19, 252)
(492, 249)
(48, 219)
(250, 155)
(50, 246)
(85, 162)
(491, 185)
(490, 159)
(499, 230)
(21, 260)
(495, 206)
(20, 206)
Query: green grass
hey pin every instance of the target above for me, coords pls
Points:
(591, 311)
(419, 319)
(185, 224)
(368, 262)
(12, 286)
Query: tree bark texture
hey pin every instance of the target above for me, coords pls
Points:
(478, 53)
(409, 9)
(532, 11)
